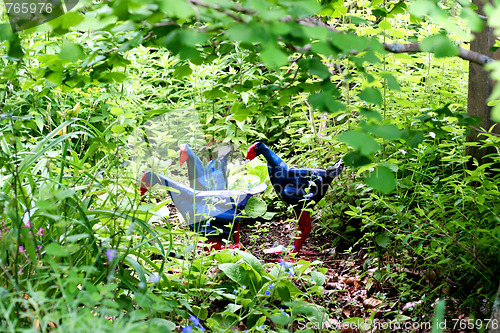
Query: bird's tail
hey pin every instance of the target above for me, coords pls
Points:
(336, 169)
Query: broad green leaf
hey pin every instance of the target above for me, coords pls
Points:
(495, 113)
(71, 19)
(399, 8)
(355, 159)
(392, 82)
(360, 140)
(116, 111)
(371, 95)
(54, 249)
(255, 207)
(383, 240)
(240, 112)
(182, 71)
(381, 179)
(380, 12)
(313, 312)
(55, 77)
(184, 43)
(318, 277)
(324, 47)
(440, 45)
(6, 32)
(283, 292)
(386, 131)
(422, 7)
(370, 114)
(349, 42)
(177, 8)
(474, 22)
(384, 25)
(112, 77)
(358, 20)
(120, 9)
(240, 32)
(251, 260)
(162, 325)
(302, 8)
(214, 93)
(281, 319)
(249, 33)
(315, 67)
(117, 128)
(273, 56)
(236, 273)
(326, 102)
(416, 139)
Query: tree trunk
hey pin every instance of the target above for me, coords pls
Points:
(480, 87)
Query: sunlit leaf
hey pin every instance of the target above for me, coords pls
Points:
(116, 111)
(255, 207)
(117, 128)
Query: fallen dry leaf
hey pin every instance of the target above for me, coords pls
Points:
(410, 306)
(372, 302)
(348, 280)
(356, 284)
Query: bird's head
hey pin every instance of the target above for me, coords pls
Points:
(252, 151)
(184, 154)
(145, 182)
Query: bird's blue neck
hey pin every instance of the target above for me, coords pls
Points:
(273, 160)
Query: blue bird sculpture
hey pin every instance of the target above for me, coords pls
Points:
(213, 213)
(297, 187)
(212, 176)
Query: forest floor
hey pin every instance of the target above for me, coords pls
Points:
(351, 293)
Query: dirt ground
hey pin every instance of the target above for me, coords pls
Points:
(350, 290)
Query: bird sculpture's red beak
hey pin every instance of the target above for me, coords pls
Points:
(184, 154)
(251, 154)
(144, 185)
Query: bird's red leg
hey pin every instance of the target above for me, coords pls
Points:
(304, 228)
(236, 234)
(236, 238)
(213, 243)
(144, 185)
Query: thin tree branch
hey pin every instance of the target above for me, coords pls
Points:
(471, 56)
(482, 131)
(219, 9)
(465, 54)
